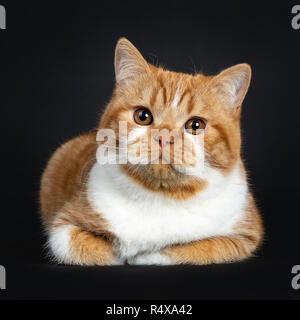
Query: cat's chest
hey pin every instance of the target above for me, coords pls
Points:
(144, 221)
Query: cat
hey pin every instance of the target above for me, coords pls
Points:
(194, 212)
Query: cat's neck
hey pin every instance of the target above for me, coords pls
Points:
(214, 184)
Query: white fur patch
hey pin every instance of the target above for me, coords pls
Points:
(155, 258)
(58, 243)
(175, 101)
(196, 169)
(145, 221)
(135, 133)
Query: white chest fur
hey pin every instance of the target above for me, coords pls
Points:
(146, 221)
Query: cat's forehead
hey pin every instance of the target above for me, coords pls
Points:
(175, 93)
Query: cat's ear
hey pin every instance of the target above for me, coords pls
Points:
(129, 63)
(231, 85)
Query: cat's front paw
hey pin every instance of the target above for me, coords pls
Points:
(153, 258)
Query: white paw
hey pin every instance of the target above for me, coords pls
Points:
(149, 258)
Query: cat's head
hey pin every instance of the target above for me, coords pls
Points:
(178, 126)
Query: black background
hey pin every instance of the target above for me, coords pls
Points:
(57, 75)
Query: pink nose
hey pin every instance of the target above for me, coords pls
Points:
(163, 141)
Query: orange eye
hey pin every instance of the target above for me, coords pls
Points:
(194, 126)
(143, 117)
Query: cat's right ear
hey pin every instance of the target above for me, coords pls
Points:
(129, 63)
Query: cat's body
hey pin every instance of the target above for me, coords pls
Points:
(152, 213)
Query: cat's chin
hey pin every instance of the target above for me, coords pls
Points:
(164, 178)
(160, 171)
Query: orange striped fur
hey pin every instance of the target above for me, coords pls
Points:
(82, 235)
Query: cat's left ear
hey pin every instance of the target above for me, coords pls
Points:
(231, 85)
(129, 63)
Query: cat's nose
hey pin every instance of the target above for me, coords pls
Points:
(163, 141)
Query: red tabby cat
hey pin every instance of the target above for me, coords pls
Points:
(197, 212)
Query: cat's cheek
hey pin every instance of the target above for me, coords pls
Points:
(154, 258)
